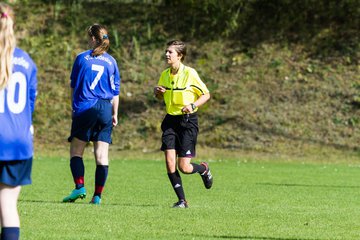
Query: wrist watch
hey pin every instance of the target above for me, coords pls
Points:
(193, 106)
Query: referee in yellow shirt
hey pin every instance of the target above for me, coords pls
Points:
(183, 93)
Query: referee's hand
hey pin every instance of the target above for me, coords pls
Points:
(187, 109)
(159, 91)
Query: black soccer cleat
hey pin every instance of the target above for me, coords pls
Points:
(206, 176)
(180, 204)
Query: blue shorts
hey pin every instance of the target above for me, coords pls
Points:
(16, 172)
(180, 133)
(94, 124)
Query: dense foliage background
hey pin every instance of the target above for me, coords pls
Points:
(283, 74)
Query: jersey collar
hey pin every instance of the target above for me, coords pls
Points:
(181, 69)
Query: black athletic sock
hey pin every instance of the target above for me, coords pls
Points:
(198, 168)
(78, 171)
(10, 233)
(176, 182)
(101, 174)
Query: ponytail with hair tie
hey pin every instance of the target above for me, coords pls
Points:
(100, 34)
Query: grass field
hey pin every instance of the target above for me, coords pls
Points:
(249, 200)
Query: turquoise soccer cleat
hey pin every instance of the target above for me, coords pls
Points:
(75, 194)
(95, 200)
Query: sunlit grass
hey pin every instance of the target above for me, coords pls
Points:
(249, 200)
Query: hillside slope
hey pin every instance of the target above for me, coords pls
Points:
(274, 95)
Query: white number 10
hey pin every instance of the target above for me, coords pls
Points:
(100, 70)
(17, 83)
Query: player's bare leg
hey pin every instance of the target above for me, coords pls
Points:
(9, 216)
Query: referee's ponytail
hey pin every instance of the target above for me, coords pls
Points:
(100, 34)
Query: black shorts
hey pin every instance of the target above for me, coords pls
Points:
(94, 124)
(180, 133)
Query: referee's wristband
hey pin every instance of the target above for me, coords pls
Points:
(193, 106)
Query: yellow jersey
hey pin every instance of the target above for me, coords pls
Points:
(182, 89)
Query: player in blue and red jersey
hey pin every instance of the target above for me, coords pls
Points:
(95, 87)
(18, 85)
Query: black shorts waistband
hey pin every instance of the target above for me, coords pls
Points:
(189, 115)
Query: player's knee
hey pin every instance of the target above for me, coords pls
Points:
(102, 161)
(76, 154)
(185, 168)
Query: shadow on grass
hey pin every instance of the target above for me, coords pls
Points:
(253, 237)
(40, 201)
(306, 185)
(87, 203)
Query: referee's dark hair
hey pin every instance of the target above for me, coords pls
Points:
(180, 47)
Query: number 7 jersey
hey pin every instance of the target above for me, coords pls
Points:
(17, 103)
(93, 78)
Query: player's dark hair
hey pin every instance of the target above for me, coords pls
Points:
(180, 47)
(100, 34)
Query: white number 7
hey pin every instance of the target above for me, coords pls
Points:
(100, 70)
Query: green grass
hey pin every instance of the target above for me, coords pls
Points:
(249, 200)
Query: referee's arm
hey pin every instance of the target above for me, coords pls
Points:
(200, 101)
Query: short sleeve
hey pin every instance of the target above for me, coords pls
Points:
(74, 72)
(115, 80)
(197, 84)
(33, 88)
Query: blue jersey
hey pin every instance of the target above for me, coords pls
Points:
(93, 78)
(17, 103)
